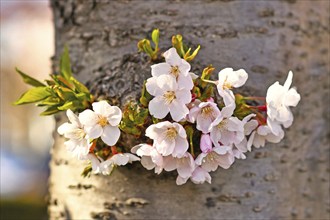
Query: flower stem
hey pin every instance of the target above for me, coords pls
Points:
(262, 108)
(190, 133)
(192, 152)
(210, 81)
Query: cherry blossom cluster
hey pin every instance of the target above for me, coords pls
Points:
(83, 131)
(189, 134)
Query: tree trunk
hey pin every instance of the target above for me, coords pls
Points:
(268, 38)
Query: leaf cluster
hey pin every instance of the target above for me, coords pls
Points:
(183, 50)
(134, 119)
(144, 45)
(60, 93)
(152, 51)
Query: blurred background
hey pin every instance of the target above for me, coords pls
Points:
(27, 42)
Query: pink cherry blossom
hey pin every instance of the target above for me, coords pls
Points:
(150, 158)
(204, 114)
(210, 159)
(168, 98)
(175, 67)
(169, 138)
(198, 176)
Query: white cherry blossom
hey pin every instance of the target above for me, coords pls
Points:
(228, 79)
(102, 122)
(211, 158)
(249, 126)
(150, 158)
(204, 114)
(262, 134)
(175, 67)
(279, 98)
(169, 138)
(227, 131)
(198, 176)
(106, 166)
(168, 98)
(184, 165)
(78, 143)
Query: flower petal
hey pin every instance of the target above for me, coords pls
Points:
(167, 83)
(288, 81)
(178, 110)
(205, 143)
(95, 162)
(183, 96)
(292, 98)
(153, 88)
(242, 76)
(160, 69)
(114, 116)
(200, 158)
(180, 180)
(166, 147)
(110, 135)
(120, 159)
(65, 128)
(169, 163)
(172, 57)
(101, 108)
(94, 132)
(147, 163)
(185, 82)
(73, 118)
(181, 147)
(88, 118)
(158, 107)
(179, 128)
(132, 157)
(200, 175)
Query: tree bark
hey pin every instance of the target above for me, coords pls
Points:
(289, 180)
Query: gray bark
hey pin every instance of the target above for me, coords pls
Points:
(289, 180)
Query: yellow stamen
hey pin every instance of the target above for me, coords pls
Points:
(222, 125)
(79, 134)
(227, 85)
(207, 111)
(169, 97)
(171, 133)
(175, 71)
(102, 121)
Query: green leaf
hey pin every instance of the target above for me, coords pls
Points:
(29, 80)
(66, 106)
(49, 101)
(155, 37)
(178, 44)
(50, 111)
(189, 57)
(33, 95)
(50, 82)
(65, 64)
(66, 82)
(79, 86)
